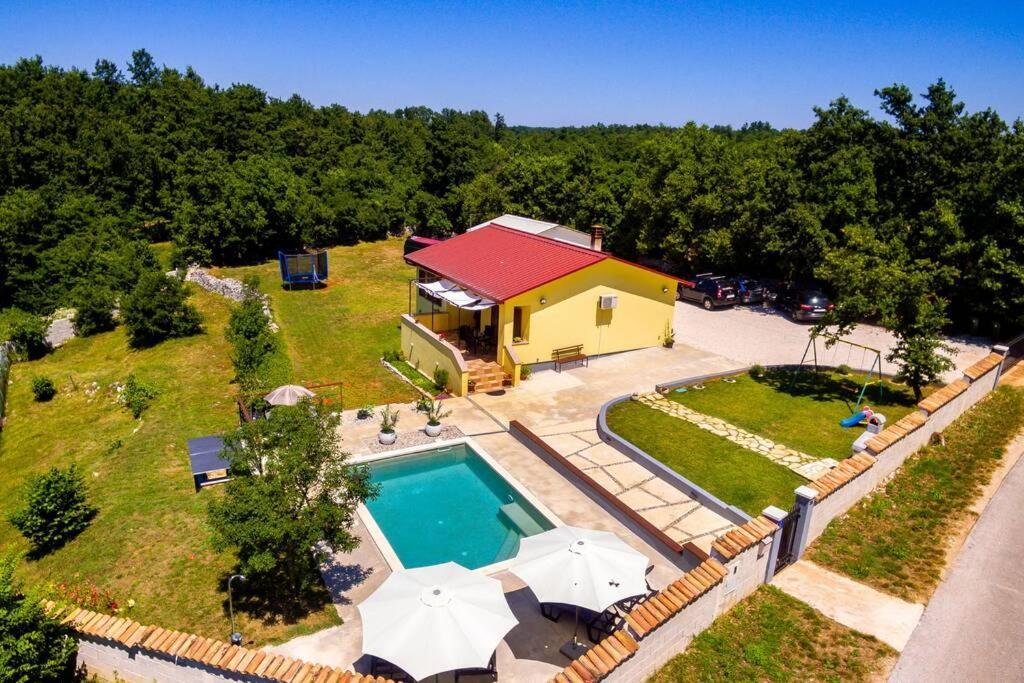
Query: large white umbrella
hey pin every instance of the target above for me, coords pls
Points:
(436, 619)
(288, 395)
(581, 567)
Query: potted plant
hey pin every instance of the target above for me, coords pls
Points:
(472, 385)
(670, 336)
(388, 420)
(365, 412)
(435, 414)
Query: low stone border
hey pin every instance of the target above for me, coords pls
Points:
(659, 469)
(405, 379)
(227, 287)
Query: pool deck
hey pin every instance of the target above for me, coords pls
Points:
(562, 408)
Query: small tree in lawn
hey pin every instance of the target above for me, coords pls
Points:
(292, 488)
(252, 341)
(28, 334)
(156, 309)
(33, 647)
(94, 311)
(55, 509)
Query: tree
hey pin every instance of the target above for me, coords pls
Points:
(251, 339)
(143, 68)
(55, 509)
(157, 309)
(292, 489)
(28, 334)
(94, 311)
(33, 647)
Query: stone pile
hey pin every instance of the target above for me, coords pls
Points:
(227, 287)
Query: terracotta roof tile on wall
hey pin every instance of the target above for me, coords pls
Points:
(983, 366)
(943, 396)
(841, 475)
(213, 653)
(896, 431)
(734, 542)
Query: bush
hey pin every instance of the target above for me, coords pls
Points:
(365, 412)
(28, 334)
(156, 309)
(394, 356)
(94, 311)
(43, 389)
(757, 371)
(440, 378)
(525, 372)
(137, 395)
(33, 646)
(55, 509)
(249, 333)
(844, 369)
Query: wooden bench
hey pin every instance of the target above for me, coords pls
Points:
(569, 354)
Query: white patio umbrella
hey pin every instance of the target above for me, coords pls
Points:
(581, 567)
(288, 395)
(436, 619)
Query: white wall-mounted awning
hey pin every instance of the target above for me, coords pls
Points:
(455, 295)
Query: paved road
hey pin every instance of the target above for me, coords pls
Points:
(760, 334)
(973, 627)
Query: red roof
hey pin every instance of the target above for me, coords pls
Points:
(500, 263)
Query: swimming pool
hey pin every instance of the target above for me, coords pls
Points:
(450, 504)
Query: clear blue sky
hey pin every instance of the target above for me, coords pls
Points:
(555, 64)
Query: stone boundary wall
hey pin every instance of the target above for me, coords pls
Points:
(115, 647)
(227, 287)
(661, 626)
(838, 490)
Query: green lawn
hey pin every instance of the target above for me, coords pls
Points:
(732, 473)
(771, 636)
(149, 542)
(799, 409)
(895, 539)
(340, 332)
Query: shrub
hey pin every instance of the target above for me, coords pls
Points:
(137, 395)
(525, 372)
(757, 371)
(55, 509)
(94, 311)
(844, 369)
(43, 389)
(28, 334)
(33, 646)
(156, 309)
(394, 356)
(249, 333)
(423, 404)
(440, 378)
(365, 412)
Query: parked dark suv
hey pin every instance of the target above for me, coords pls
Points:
(803, 303)
(710, 291)
(749, 290)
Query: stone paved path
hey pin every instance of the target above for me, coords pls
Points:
(663, 505)
(807, 466)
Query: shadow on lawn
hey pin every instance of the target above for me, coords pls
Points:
(271, 601)
(831, 387)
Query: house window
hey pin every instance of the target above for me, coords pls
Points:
(520, 324)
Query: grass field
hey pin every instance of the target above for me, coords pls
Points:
(339, 332)
(732, 473)
(149, 542)
(771, 636)
(895, 539)
(801, 410)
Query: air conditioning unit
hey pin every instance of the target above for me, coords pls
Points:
(609, 301)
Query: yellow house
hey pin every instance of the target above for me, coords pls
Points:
(491, 300)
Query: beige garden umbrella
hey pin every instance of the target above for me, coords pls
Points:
(288, 395)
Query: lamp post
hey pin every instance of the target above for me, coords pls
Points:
(236, 637)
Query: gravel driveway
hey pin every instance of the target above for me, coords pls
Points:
(760, 334)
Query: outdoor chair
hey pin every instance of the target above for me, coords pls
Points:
(490, 671)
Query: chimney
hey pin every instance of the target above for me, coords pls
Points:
(596, 237)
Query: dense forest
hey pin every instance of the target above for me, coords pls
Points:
(915, 218)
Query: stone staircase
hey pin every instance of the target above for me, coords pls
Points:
(487, 374)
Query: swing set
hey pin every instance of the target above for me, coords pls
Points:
(833, 341)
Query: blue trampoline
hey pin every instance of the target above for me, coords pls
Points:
(303, 269)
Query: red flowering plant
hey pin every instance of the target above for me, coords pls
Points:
(88, 596)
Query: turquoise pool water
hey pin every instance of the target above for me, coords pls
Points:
(449, 504)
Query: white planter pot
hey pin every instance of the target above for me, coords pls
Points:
(433, 430)
(387, 438)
